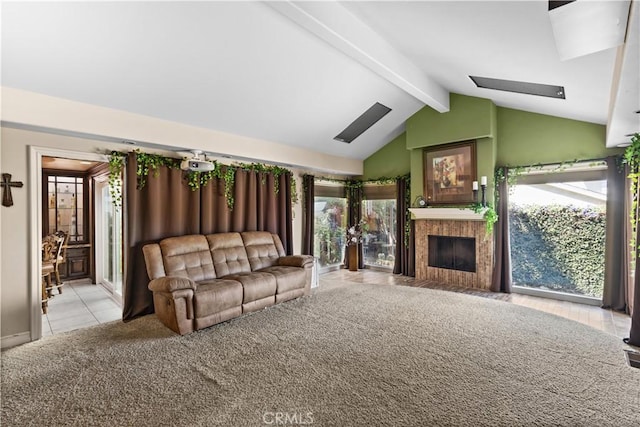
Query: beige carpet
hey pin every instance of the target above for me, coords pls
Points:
(350, 356)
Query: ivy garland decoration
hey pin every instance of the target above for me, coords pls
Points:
(631, 158)
(116, 166)
(150, 163)
(229, 176)
(490, 214)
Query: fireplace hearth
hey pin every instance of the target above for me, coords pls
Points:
(453, 253)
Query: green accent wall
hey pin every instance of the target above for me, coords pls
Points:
(394, 159)
(468, 118)
(530, 138)
(505, 137)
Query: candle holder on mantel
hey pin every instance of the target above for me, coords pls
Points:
(474, 187)
(484, 199)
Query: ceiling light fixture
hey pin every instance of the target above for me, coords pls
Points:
(556, 4)
(551, 91)
(362, 123)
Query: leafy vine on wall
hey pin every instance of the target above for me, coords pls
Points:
(512, 179)
(632, 159)
(150, 163)
(116, 166)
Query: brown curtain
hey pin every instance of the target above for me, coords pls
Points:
(634, 332)
(354, 215)
(633, 293)
(308, 199)
(502, 269)
(405, 244)
(166, 207)
(616, 269)
(256, 206)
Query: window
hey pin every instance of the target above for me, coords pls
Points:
(379, 212)
(330, 222)
(557, 230)
(66, 206)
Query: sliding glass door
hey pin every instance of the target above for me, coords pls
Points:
(379, 243)
(109, 266)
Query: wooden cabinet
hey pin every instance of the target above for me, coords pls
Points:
(77, 262)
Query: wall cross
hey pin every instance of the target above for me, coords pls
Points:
(7, 200)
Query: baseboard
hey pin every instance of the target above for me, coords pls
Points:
(15, 339)
(543, 293)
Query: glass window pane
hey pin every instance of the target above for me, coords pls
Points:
(379, 237)
(330, 221)
(557, 233)
(76, 226)
(52, 221)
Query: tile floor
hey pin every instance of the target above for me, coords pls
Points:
(81, 304)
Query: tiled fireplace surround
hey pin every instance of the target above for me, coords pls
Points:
(453, 222)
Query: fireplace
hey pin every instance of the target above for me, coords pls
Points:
(454, 253)
(468, 231)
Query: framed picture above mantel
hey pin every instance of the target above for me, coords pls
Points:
(449, 172)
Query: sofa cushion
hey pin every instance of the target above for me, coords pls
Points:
(261, 249)
(287, 278)
(187, 256)
(215, 296)
(228, 253)
(257, 285)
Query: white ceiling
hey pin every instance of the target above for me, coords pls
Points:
(299, 73)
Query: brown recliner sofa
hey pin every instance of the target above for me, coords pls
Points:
(198, 281)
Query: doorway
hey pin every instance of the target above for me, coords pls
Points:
(72, 203)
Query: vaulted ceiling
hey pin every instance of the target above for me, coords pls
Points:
(299, 73)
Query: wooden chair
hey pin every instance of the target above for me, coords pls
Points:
(50, 249)
(61, 257)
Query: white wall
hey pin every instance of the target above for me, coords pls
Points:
(50, 120)
(36, 110)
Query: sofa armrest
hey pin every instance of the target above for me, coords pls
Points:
(304, 261)
(171, 284)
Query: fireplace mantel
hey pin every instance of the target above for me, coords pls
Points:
(454, 214)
